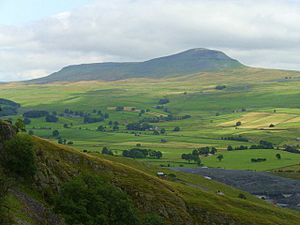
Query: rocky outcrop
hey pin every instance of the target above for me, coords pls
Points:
(7, 131)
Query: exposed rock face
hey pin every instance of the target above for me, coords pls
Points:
(7, 131)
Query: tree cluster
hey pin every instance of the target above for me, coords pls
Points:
(292, 149)
(258, 159)
(142, 153)
(235, 138)
(35, 114)
(140, 126)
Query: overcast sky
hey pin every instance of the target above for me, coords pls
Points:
(38, 37)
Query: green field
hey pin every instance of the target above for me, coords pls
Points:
(249, 97)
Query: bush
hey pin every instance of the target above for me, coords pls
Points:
(18, 156)
(107, 151)
(163, 101)
(55, 133)
(5, 185)
(242, 196)
(35, 114)
(176, 129)
(26, 121)
(220, 87)
(120, 108)
(88, 200)
(51, 119)
(153, 219)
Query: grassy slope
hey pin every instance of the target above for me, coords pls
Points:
(249, 88)
(188, 200)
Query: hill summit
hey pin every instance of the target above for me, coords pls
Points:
(183, 63)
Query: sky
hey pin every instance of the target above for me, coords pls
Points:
(38, 37)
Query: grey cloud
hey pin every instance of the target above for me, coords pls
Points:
(259, 33)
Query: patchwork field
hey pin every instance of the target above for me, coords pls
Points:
(248, 98)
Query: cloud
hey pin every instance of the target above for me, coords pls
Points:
(258, 33)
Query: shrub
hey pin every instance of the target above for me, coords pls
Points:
(120, 108)
(55, 133)
(26, 121)
(20, 125)
(18, 156)
(176, 129)
(220, 87)
(89, 200)
(106, 151)
(242, 196)
(35, 114)
(51, 119)
(163, 101)
(153, 219)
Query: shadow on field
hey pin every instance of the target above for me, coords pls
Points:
(281, 191)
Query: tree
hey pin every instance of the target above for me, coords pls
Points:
(106, 151)
(89, 200)
(239, 123)
(55, 133)
(115, 127)
(220, 157)
(101, 128)
(176, 129)
(30, 132)
(163, 131)
(18, 156)
(5, 185)
(35, 114)
(27, 121)
(51, 119)
(213, 150)
(119, 108)
(229, 148)
(189, 157)
(155, 132)
(278, 156)
(220, 87)
(20, 125)
(242, 196)
(153, 219)
(163, 101)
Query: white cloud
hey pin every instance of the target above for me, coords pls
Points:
(259, 33)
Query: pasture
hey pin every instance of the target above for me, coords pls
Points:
(249, 97)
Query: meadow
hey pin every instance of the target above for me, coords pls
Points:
(255, 97)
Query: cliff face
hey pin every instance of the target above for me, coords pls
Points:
(7, 131)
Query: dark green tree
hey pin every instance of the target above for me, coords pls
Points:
(20, 125)
(220, 157)
(88, 200)
(18, 156)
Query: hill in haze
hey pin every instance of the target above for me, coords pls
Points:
(187, 62)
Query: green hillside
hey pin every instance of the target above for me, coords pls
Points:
(248, 97)
(177, 199)
(187, 62)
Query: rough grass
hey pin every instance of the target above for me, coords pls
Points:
(187, 200)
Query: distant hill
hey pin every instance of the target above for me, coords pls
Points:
(8, 107)
(187, 62)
